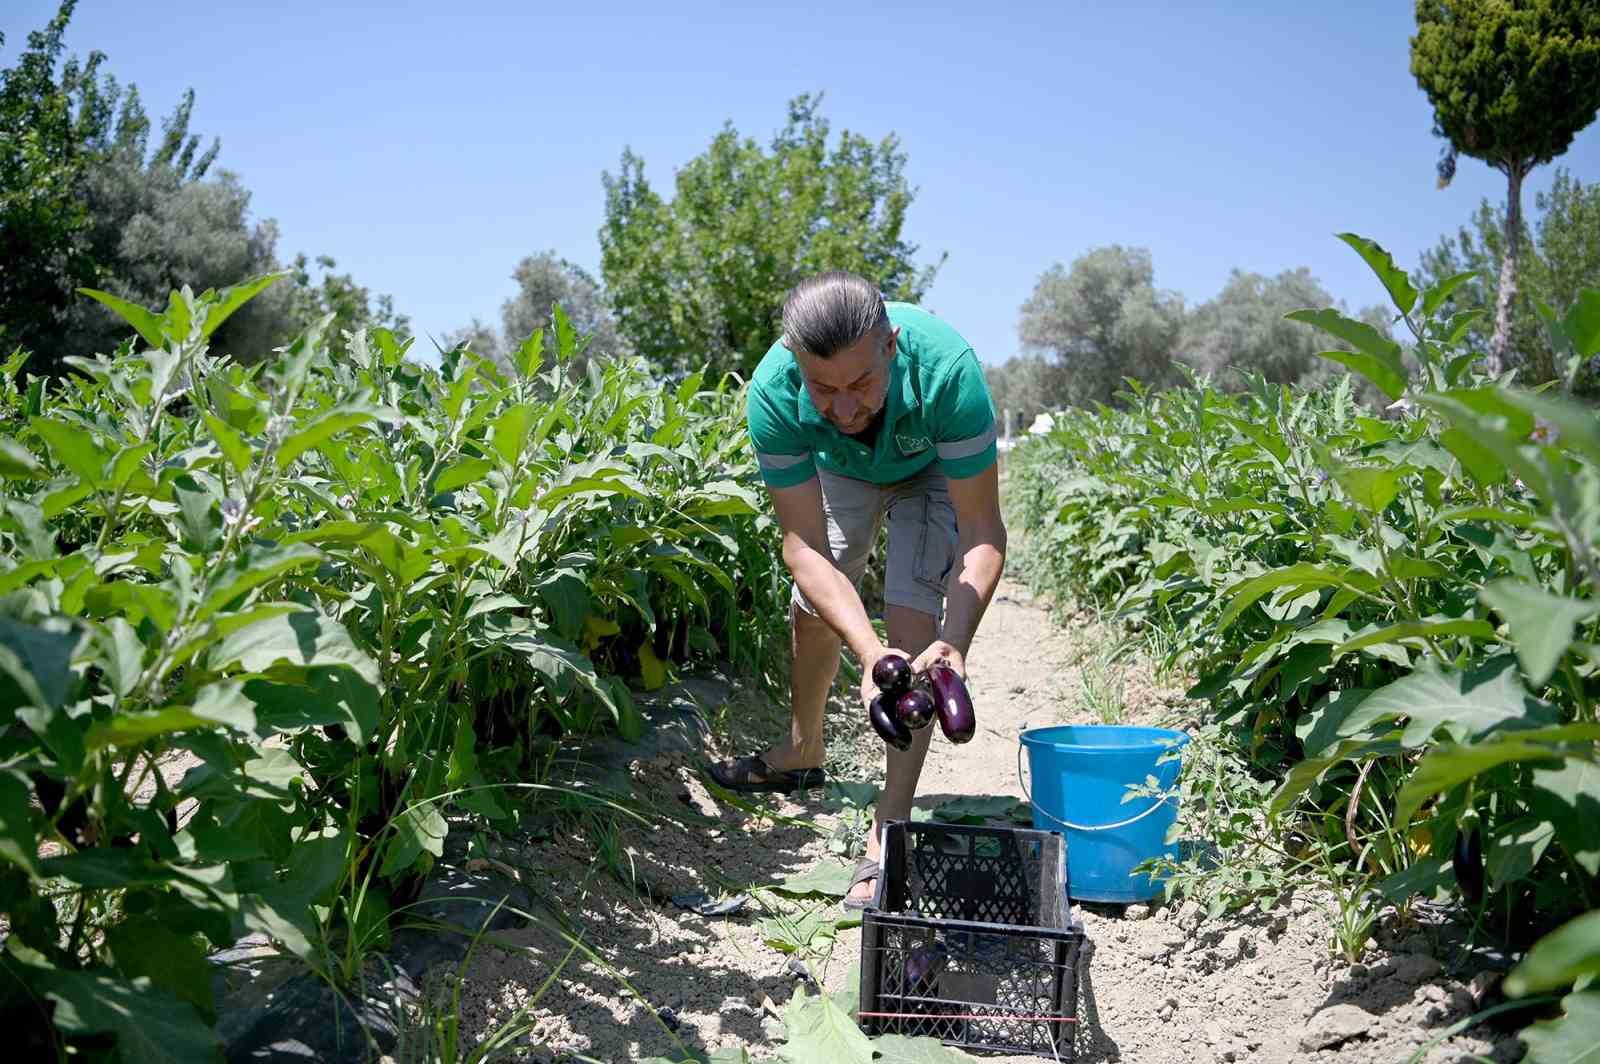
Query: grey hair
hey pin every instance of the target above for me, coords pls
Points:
(828, 312)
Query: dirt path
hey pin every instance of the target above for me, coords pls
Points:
(1161, 986)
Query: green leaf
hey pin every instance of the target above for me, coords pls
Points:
(1306, 773)
(255, 566)
(825, 877)
(1482, 464)
(302, 638)
(1582, 323)
(1318, 730)
(898, 1049)
(130, 729)
(1464, 706)
(230, 299)
(1393, 277)
(1576, 430)
(1383, 352)
(145, 323)
(1395, 633)
(151, 1025)
(323, 428)
(230, 443)
(146, 948)
(19, 843)
(509, 431)
(1448, 764)
(1570, 1039)
(984, 809)
(1301, 575)
(1568, 795)
(1542, 624)
(566, 595)
(74, 448)
(1370, 488)
(1389, 379)
(530, 354)
(1437, 293)
(106, 868)
(462, 472)
(817, 1031)
(37, 658)
(419, 828)
(16, 461)
(1560, 958)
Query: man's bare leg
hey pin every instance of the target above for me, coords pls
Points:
(911, 631)
(815, 649)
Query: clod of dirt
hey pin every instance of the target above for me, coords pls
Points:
(1334, 1025)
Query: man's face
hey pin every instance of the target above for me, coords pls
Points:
(849, 389)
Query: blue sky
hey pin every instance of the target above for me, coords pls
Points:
(427, 147)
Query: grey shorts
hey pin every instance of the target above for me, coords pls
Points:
(922, 536)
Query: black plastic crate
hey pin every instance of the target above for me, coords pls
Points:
(970, 940)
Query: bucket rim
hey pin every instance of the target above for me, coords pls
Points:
(1033, 738)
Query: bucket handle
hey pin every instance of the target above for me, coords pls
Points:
(1083, 827)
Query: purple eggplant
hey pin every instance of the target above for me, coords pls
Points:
(956, 718)
(892, 674)
(915, 708)
(888, 726)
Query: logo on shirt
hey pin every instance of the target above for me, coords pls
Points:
(912, 444)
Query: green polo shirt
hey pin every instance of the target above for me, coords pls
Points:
(937, 410)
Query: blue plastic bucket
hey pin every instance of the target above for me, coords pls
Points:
(1081, 773)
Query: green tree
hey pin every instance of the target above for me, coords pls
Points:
(700, 279)
(352, 305)
(1511, 82)
(89, 198)
(1559, 255)
(42, 213)
(1100, 321)
(545, 279)
(1026, 385)
(1243, 330)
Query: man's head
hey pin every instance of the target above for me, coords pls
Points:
(838, 328)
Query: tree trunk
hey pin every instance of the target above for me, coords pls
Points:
(1501, 342)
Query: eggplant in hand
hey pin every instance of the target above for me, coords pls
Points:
(887, 725)
(915, 708)
(892, 674)
(956, 718)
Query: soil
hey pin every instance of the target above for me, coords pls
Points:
(1162, 984)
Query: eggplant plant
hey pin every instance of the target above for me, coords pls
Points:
(361, 595)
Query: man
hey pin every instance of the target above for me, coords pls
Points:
(865, 411)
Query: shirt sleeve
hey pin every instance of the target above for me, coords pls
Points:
(963, 423)
(781, 452)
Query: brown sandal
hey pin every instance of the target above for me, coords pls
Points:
(866, 869)
(749, 775)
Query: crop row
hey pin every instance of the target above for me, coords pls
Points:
(358, 593)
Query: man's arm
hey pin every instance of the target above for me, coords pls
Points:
(806, 553)
(980, 557)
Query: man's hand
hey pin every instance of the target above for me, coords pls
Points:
(939, 651)
(869, 690)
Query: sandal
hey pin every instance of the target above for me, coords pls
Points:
(749, 775)
(866, 869)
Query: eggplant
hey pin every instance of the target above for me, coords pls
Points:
(915, 708)
(1467, 861)
(956, 718)
(892, 674)
(888, 726)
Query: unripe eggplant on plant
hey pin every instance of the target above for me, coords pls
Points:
(1467, 861)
